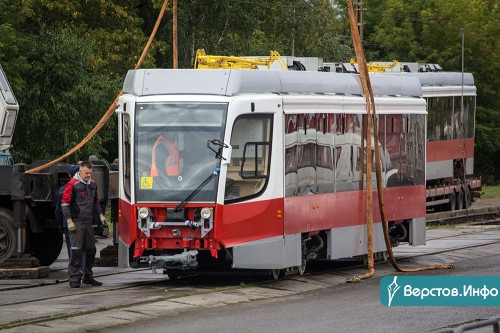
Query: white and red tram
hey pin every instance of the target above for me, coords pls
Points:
(267, 168)
(450, 138)
(451, 107)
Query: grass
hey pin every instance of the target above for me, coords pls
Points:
(490, 192)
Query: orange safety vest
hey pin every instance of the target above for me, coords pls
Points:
(171, 161)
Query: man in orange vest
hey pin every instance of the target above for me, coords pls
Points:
(165, 158)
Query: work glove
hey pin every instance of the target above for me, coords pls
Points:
(71, 226)
(104, 222)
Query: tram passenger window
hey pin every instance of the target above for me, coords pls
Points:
(393, 147)
(306, 168)
(469, 115)
(457, 118)
(324, 169)
(420, 153)
(291, 137)
(431, 122)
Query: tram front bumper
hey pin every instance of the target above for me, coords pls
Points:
(184, 260)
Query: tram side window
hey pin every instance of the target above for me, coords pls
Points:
(306, 155)
(469, 115)
(348, 129)
(291, 137)
(325, 155)
(433, 129)
(306, 168)
(126, 154)
(309, 153)
(420, 153)
(406, 146)
(385, 157)
(393, 136)
(457, 120)
(408, 158)
(447, 118)
(248, 172)
(463, 121)
(440, 119)
(444, 118)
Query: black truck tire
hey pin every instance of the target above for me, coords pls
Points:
(7, 234)
(46, 247)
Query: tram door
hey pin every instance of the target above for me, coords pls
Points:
(254, 177)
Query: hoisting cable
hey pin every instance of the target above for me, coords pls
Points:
(384, 221)
(367, 136)
(367, 91)
(112, 107)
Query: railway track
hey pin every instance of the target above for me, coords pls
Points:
(487, 215)
(128, 289)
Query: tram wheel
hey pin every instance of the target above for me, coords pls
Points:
(452, 201)
(7, 234)
(172, 275)
(276, 274)
(460, 200)
(468, 197)
(384, 255)
(302, 268)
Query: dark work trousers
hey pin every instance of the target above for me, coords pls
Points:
(82, 242)
(68, 245)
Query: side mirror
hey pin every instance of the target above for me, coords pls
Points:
(226, 154)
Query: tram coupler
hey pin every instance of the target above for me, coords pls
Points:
(187, 259)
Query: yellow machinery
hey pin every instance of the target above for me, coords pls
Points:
(204, 61)
(382, 67)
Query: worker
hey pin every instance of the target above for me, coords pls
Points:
(78, 202)
(59, 214)
(165, 157)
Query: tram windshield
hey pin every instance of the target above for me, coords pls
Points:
(171, 154)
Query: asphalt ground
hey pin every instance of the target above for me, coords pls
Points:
(76, 313)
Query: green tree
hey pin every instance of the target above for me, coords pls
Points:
(312, 28)
(431, 31)
(66, 61)
(63, 100)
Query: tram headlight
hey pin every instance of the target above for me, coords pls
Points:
(206, 213)
(143, 213)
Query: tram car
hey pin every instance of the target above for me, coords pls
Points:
(451, 105)
(262, 170)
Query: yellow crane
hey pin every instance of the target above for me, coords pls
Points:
(381, 67)
(204, 61)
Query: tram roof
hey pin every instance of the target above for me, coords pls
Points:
(442, 78)
(145, 82)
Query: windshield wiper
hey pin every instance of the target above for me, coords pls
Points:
(180, 206)
(218, 155)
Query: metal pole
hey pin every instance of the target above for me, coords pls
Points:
(466, 188)
(174, 33)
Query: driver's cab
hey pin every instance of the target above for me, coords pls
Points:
(253, 138)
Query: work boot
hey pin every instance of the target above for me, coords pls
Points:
(92, 282)
(74, 284)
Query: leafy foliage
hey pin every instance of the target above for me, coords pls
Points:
(431, 31)
(66, 59)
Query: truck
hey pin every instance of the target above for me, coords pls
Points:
(28, 226)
